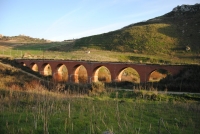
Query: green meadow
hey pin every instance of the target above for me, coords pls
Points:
(41, 111)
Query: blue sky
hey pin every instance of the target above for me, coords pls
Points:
(60, 20)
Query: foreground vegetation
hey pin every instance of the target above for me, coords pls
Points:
(40, 111)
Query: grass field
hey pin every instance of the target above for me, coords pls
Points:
(40, 111)
(18, 47)
(40, 51)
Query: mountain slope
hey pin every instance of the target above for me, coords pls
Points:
(169, 34)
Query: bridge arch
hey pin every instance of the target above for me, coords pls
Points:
(46, 69)
(101, 73)
(128, 74)
(34, 67)
(144, 70)
(158, 74)
(23, 64)
(61, 73)
(79, 75)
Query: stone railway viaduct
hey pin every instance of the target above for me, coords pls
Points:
(67, 70)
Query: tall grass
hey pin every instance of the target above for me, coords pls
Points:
(41, 111)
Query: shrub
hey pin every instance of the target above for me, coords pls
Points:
(97, 88)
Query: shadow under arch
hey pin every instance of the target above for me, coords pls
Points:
(23, 64)
(101, 73)
(79, 75)
(46, 69)
(129, 74)
(158, 74)
(34, 67)
(61, 74)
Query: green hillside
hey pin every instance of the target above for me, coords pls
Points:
(170, 34)
(22, 39)
(169, 39)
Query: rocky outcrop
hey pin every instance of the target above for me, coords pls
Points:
(187, 8)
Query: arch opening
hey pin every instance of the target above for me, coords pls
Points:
(129, 74)
(80, 75)
(47, 71)
(23, 64)
(61, 74)
(34, 67)
(102, 74)
(158, 74)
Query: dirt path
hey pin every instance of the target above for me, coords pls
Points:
(164, 92)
